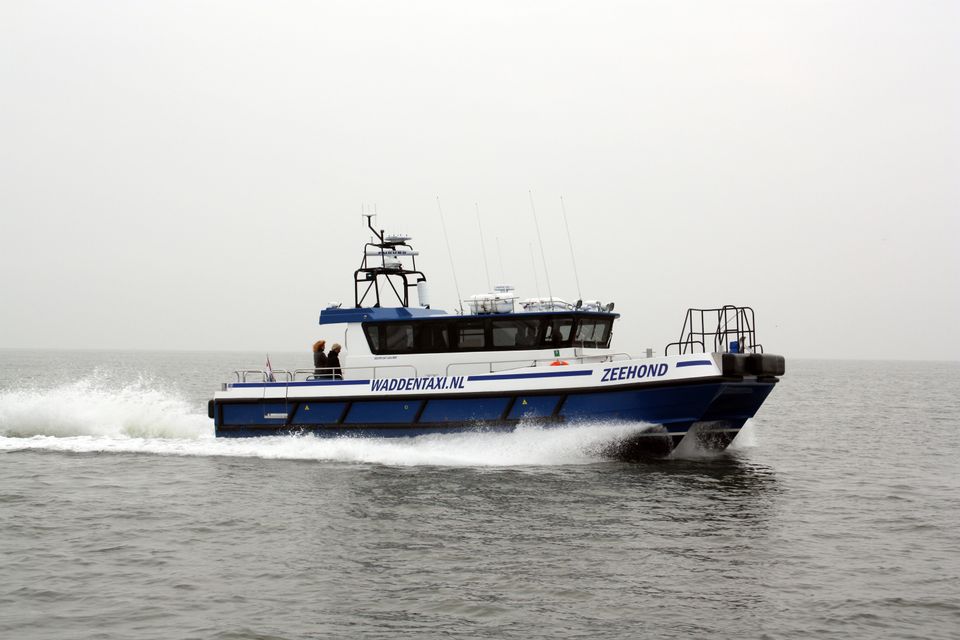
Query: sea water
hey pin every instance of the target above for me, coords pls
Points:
(835, 514)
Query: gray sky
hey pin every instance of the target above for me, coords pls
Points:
(189, 175)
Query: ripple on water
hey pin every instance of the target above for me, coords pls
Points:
(825, 522)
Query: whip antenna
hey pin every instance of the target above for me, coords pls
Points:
(533, 264)
(543, 256)
(573, 258)
(483, 249)
(503, 278)
(450, 255)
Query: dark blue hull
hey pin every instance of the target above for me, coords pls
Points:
(719, 406)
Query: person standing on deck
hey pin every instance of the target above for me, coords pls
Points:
(333, 362)
(320, 363)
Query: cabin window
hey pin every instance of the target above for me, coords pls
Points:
(558, 333)
(515, 333)
(431, 337)
(490, 333)
(390, 338)
(593, 333)
(470, 335)
(397, 338)
(373, 338)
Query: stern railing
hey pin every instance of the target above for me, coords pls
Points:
(727, 329)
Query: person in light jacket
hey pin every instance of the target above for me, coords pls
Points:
(333, 362)
(320, 363)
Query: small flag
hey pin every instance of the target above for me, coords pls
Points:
(270, 377)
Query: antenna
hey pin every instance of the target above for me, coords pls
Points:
(503, 278)
(453, 271)
(546, 271)
(533, 263)
(366, 218)
(573, 258)
(483, 249)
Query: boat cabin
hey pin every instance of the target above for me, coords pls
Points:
(420, 340)
(508, 332)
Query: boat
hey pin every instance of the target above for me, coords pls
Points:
(410, 370)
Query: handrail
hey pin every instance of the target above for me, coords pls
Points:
(241, 375)
(312, 372)
(682, 346)
(582, 360)
(325, 372)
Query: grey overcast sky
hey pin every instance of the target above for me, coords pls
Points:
(189, 174)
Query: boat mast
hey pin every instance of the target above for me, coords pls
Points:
(381, 246)
(453, 270)
(573, 258)
(543, 255)
(483, 249)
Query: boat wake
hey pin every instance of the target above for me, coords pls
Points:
(88, 417)
(91, 407)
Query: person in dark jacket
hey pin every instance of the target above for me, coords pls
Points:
(320, 363)
(333, 361)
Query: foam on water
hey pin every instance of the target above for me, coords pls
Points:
(527, 445)
(691, 448)
(91, 415)
(746, 438)
(88, 416)
(91, 407)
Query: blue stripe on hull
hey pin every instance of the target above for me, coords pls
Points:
(523, 376)
(695, 363)
(304, 383)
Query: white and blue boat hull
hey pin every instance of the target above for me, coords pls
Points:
(716, 393)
